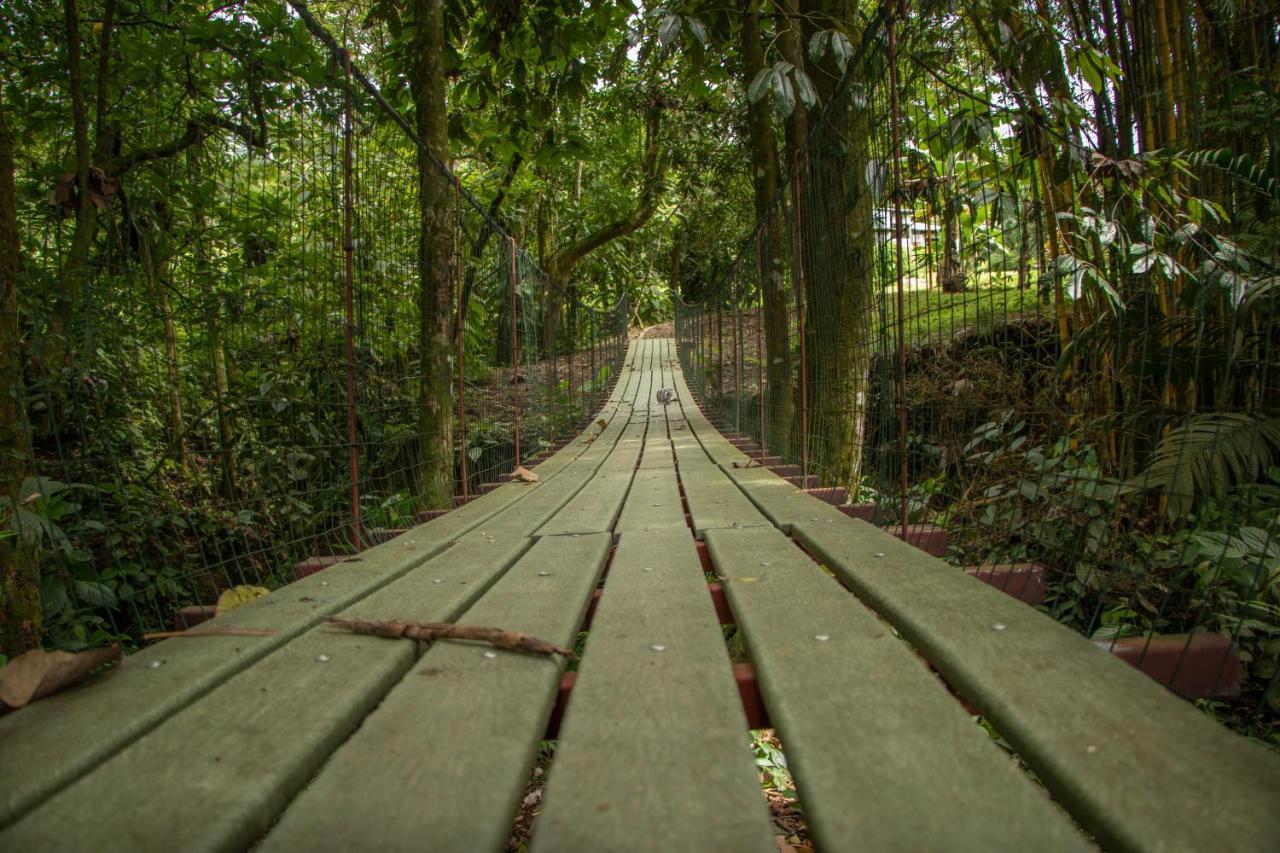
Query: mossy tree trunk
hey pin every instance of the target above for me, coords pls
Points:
(838, 254)
(20, 622)
(764, 182)
(435, 260)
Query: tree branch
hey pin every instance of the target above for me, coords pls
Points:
(197, 129)
(564, 259)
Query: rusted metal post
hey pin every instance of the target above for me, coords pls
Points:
(719, 355)
(348, 282)
(801, 309)
(515, 339)
(761, 355)
(457, 275)
(548, 372)
(897, 199)
(737, 350)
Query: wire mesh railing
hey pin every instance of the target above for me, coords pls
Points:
(237, 382)
(1068, 366)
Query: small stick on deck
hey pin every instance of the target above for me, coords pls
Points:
(209, 632)
(430, 631)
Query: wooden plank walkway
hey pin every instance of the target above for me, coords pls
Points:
(316, 739)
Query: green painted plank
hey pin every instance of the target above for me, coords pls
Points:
(657, 449)
(626, 452)
(442, 763)
(1139, 767)
(215, 775)
(715, 447)
(715, 501)
(780, 501)
(594, 509)
(59, 739)
(653, 752)
(713, 443)
(883, 756)
(653, 503)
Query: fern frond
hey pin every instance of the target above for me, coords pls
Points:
(1240, 166)
(1206, 454)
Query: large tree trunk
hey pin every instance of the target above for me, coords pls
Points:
(951, 273)
(156, 291)
(435, 260)
(222, 393)
(764, 171)
(59, 348)
(20, 622)
(838, 254)
(792, 44)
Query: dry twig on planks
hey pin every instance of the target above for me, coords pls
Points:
(430, 631)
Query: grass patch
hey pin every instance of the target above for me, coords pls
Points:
(931, 316)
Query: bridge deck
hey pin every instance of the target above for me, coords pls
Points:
(311, 738)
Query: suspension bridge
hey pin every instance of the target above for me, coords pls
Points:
(269, 727)
(658, 543)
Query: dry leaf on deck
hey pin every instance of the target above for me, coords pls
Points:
(523, 475)
(238, 596)
(37, 673)
(602, 423)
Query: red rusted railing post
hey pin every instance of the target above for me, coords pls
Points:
(761, 356)
(348, 286)
(515, 340)
(737, 350)
(896, 197)
(801, 309)
(719, 397)
(457, 275)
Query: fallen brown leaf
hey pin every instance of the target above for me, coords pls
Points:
(238, 596)
(602, 423)
(523, 475)
(37, 673)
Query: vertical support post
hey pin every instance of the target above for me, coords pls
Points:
(515, 340)
(719, 397)
(702, 344)
(348, 286)
(802, 309)
(548, 371)
(761, 355)
(462, 393)
(897, 198)
(737, 351)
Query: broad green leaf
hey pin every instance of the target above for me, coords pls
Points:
(94, 593)
(804, 88)
(760, 84)
(818, 44)
(697, 29)
(784, 95)
(841, 49)
(669, 30)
